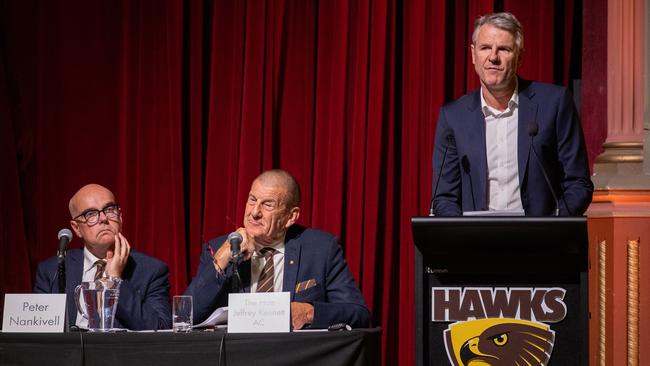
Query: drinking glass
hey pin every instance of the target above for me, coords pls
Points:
(182, 313)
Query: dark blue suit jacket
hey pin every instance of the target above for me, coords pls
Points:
(462, 184)
(309, 255)
(144, 293)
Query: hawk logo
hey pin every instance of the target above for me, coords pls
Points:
(499, 342)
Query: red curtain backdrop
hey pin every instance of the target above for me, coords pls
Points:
(177, 105)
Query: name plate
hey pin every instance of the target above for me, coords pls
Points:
(266, 312)
(34, 313)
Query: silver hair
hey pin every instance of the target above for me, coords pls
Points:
(505, 21)
(282, 178)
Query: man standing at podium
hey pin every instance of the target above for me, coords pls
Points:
(278, 255)
(513, 145)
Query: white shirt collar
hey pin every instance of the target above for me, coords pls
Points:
(278, 246)
(512, 103)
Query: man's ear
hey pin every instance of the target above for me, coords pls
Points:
(75, 227)
(293, 216)
(471, 50)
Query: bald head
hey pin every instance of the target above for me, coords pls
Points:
(96, 218)
(281, 178)
(76, 204)
(272, 206)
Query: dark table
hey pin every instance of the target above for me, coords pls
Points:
(355, 347)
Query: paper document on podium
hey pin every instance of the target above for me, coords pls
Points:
(218, 317)
(495, 213)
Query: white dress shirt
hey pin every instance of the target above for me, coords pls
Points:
(501, 150)
(88, 275)
(258, 261)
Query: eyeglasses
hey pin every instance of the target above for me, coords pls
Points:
(91, 216)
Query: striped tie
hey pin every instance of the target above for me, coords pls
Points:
(265, 282)
(100, 264)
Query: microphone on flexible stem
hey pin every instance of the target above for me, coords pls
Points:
(449, 139)
(235, 239)
(65, 235)
(464, 162)
(533, 128)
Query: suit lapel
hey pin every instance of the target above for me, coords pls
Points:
(291, 265)
(73, 274)
(527, 115)
(477, 150)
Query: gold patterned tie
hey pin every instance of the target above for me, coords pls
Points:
(100, 264)
(265, 282)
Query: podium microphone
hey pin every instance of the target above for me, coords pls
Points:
(533, 129)
(464, 162)
(65, 235)
(449, 138)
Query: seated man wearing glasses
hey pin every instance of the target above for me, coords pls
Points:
(144, 291)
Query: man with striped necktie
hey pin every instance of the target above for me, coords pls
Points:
(144, 290)
(279, 255)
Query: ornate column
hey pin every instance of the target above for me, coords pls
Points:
(620, 166)
(619, 217)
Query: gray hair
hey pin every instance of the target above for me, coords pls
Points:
(282, 178)
(505, 21)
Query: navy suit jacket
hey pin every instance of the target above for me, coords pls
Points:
(309, 255)
(144, 293)
(559, 142)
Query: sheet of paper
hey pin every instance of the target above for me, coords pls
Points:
(218, 317)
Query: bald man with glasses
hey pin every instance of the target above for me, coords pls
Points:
(144, 290)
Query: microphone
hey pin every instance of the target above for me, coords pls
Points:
(65, 235)
(235, 240)
(449, 138)
(339, 326)
(533, 129)
(464, 162)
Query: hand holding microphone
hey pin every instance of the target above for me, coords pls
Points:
(235, 239)
(239, 251)
(241, 246)
(237, 247)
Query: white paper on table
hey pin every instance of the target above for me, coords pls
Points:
(218, 317)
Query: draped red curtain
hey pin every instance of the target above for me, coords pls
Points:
(177, 105)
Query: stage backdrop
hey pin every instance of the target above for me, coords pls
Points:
(177, 105)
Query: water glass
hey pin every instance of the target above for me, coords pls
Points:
(182, 313)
